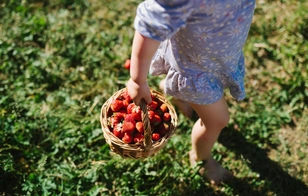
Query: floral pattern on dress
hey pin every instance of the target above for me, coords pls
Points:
(201, 50)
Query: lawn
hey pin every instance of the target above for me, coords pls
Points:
(61, 60)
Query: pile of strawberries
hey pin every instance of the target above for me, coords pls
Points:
(125, 119)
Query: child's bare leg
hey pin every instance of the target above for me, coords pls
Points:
(183, 106)
(213, 118)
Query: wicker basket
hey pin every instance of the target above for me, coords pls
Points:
(148, 147)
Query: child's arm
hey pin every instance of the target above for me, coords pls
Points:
(143, 50)
(156, 21)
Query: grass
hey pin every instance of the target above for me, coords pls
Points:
(61, 60)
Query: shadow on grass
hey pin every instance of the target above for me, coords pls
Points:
(280, 182)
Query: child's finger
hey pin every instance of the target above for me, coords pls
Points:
(148, 99)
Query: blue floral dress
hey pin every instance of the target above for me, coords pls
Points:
(201, 45)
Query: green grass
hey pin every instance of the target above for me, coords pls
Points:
(61, 60)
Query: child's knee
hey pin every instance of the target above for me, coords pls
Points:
(224, 120)
(220, 121)
(217, 123)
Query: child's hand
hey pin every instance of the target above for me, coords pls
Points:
(139, 91)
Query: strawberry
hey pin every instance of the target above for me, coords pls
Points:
(156, 119)
(120, 114)
(138, 138)
(153, 97)
(136, 112)
(163, 128)
(128, 127)
(166, 117)
(116, 105)
(151, 116)
(127, 138)
(129, 118)
(127, 64)
(155, 136)
(130, 108)
(140, 127)
(163, 108)
(125, 104)
(153, 105)
(126, 96)
(117, 131)
(113, 121)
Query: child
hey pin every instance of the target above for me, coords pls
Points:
(198, 45)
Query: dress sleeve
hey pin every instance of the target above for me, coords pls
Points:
(161, 19)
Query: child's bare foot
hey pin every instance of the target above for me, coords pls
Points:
(211, 170)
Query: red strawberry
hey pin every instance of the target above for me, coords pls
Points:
(163, 129)
(127, 64)
(140, 127)
(166, 117)
(163, 107)
(127, 138)
(130, 108)
(116, 105)
(153, 105)
(156, 119)
(128, 127)
(136, 112)
(129, 118)
(153, 97)
(138, 138)
(113, 121)
(125, 104)
(151, 116)
(126, 96)
(120, 114)
(117, 131)
(155, 136)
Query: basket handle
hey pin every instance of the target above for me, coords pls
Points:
(147, 126)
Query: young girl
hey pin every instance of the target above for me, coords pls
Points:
(198, 45)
